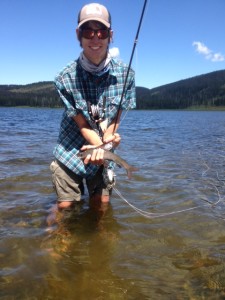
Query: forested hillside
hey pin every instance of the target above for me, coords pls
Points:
(41, 94)
(206, 90)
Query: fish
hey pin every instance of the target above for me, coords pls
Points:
(112, 157)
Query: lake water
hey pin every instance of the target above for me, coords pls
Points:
(123, 254)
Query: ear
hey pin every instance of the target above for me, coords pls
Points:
(78, 34)
(111, 36)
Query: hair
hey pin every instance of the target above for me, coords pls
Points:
(101, 25)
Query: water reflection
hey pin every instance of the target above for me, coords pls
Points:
(81, 248)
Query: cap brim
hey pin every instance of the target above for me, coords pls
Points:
(107, 24)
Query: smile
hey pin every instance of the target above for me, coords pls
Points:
(95, 48)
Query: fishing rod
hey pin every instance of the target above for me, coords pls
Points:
(129, 66)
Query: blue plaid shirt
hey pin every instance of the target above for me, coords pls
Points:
(75, 87)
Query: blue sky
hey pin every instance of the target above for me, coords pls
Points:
(178, 39)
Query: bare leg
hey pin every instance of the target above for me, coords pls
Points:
(65, 204)
(99, 204)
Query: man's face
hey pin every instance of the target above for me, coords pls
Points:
(95, 48)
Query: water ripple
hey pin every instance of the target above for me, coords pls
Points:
(123, 255)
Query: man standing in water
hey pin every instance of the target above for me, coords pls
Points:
(90, 88)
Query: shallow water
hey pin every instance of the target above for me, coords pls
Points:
(122, 254)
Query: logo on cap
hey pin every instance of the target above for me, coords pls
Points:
(93, 10)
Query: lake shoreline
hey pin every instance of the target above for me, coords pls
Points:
(191, 108)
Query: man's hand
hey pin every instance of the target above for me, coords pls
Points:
(114, 138)
(96, 158)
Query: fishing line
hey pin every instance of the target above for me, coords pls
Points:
(150, 215)
(138, 210)
(129, 66)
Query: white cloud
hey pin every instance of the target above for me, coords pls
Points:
(115, 52)
(207, 53)
(217, 57)
(201, 48)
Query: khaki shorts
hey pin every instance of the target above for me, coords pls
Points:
(70, 187)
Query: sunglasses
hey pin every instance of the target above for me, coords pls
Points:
(89, 34)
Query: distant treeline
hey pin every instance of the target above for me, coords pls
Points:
(206, 90)
(41, 94)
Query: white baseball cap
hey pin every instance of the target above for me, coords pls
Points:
(94, 12)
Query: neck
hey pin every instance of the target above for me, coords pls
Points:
(93, 67)
(96, 61)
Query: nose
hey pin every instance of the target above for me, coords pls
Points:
(95, 35)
